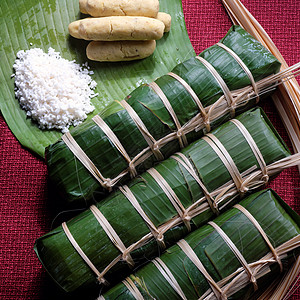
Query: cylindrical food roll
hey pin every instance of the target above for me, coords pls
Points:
(120, 50)
(121, 28)
(105, 8)
(161, 16)
(166, 19)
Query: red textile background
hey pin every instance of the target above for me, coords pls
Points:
(25, 210)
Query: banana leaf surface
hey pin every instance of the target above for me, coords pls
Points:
(76, 184)
(42, 24)
(279, 222)
(68, 269)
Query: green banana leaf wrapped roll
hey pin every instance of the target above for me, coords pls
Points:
(156, 209)
(180, 272)
(160, 118)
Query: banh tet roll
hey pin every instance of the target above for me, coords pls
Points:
(160, 118)
(156, 209)
(236, 256)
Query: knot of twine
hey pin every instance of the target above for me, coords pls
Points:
(187, 221)
(179, 132)
(160, 240)
(243, 188)
(278, 260)
(186, 218)
(265, 178)
(206, 123)
(155, 146)
(160, 237)
(126, 257)
(107, 183)
(132, 169)
(102, 280)
(215, 205)
(232, 110)
(254, 282)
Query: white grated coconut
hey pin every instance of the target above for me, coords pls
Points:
(54, 91)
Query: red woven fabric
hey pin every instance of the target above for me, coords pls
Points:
(25, 212)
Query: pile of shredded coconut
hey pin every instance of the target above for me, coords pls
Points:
(54, 91)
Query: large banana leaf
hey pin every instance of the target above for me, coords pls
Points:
(77, 185)
(45, 24)
(279, 222)
(68, 269)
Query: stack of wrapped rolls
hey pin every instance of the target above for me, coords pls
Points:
(160, 118)
(140, 220)
(120, 30)
(135, 223)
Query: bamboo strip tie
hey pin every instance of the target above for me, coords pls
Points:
(133, 289)
(187, 249)
(236, 252)
(204, 115)
(244, 67)
(222, 84)
(227, 160)
(254, 148)
(185, 162)
(86, 161)
(116, 142)
(132, 199)
(80, 252)
(261, 231)
(113, 236)
(167, 274)
(142, 128)
(180, 133)
(172, 197)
